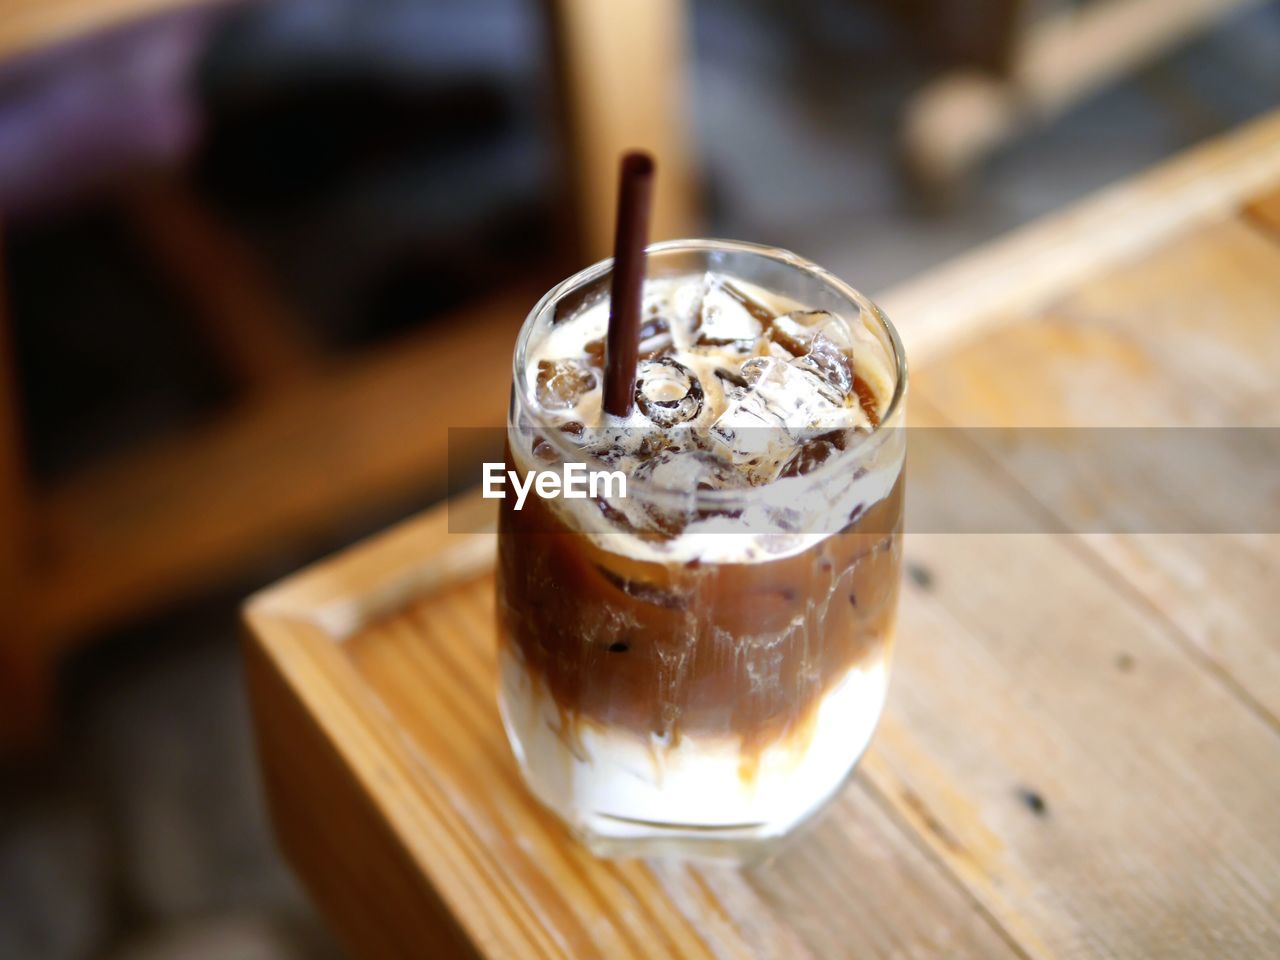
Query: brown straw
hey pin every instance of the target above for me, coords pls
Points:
(622, 345)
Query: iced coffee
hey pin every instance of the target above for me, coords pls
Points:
(697, 666)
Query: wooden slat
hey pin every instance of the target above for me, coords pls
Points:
(1218, 591)
(1188, 336)
(1018, 274)
(175, 515)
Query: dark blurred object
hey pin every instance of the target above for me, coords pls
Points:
(974, 34)
(407, 147)
(76, 117)
(363, 166)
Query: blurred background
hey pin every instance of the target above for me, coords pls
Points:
(258, 256)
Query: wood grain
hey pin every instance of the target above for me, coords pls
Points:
(1024, 673)
(1028, 679)
(1187, 336)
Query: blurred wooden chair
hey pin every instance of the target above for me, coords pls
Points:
(1015, 66)
(311, 437)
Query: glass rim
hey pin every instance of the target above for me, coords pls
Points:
(866, 441)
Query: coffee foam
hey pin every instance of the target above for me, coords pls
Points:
(783, 515)
(681, 301)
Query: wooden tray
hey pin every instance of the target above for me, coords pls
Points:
(396, 794)
(1080, 755)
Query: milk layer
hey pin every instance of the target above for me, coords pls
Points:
(617, 785)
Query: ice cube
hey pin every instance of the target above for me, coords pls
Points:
(562, 383)
(781, 405)
(655, 341)
(795, 332)
(725, 323)
(829, 363)
(747, 430)
(796, 394)
(686, 301)
(756, 368)
(655, 338)
(762, 314)
(749, 427)
(822, 346)
(811, 455)
(573, 305)
(667, 392)
(731, 380)
(721, 315)
(690, 470)
(687, 472)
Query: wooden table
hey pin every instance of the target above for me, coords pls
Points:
(1081, 752)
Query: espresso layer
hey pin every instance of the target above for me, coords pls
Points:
(745, 650)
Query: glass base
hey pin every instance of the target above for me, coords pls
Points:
(744, 846)
(733, 847)
(625, 797)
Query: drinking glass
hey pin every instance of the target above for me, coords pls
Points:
(699, 689)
